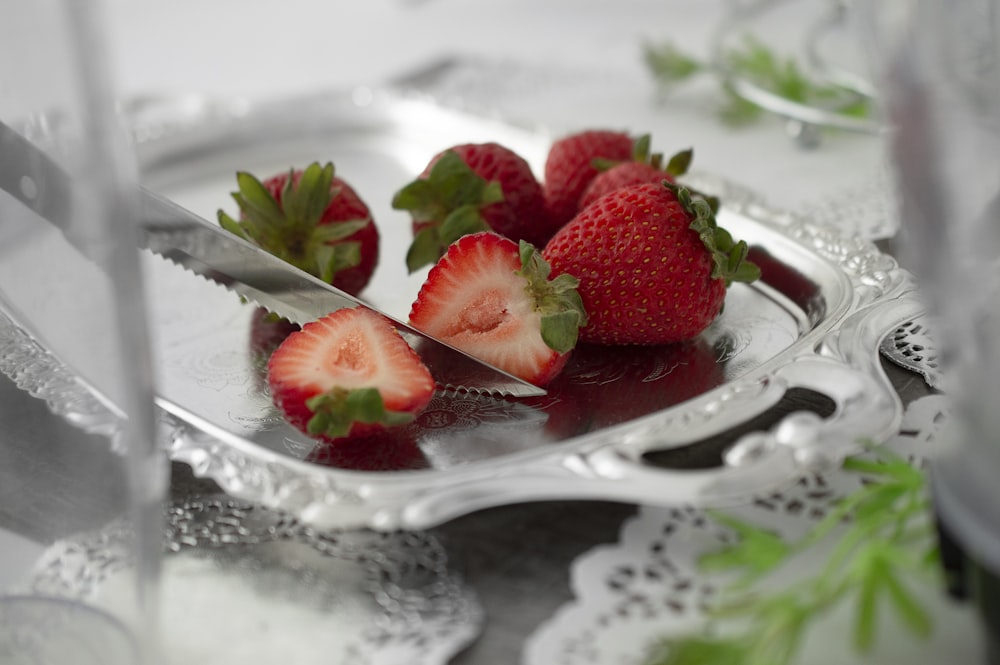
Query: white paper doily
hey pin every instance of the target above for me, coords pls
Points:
(243, 584)
(648, 585)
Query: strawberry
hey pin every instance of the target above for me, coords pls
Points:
(312, 219)
(644, 166)
(470, 188)
(569, 168)
(653, 265)
(492, 298)
(348, 374)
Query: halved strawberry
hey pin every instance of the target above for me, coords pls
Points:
(348, 374)
(493, 299)
(311, 219)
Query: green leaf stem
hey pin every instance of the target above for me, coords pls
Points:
(884, 541)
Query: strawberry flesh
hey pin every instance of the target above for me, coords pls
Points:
(492, 298)
(348, 374)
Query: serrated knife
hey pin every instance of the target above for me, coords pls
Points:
(204, 248)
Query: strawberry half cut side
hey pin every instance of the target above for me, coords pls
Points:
(492, 298)
(349, 373)
(311, 219)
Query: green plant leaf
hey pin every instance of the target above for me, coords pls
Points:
(866, 612)
(910, 612)
(883, 537)
(757, 551)
(754, 62)
(669, 64)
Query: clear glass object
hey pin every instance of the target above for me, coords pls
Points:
(939, 65)
(70, 280)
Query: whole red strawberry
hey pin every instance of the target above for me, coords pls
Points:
(349, 373)
(644, 166)
(653, 264)
(470, 188)
(570, 166)
(493, 299)
(311, 219)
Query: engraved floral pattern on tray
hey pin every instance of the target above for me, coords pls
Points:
(871, 297)
(33, 369)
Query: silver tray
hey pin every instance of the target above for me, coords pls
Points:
(786, 380)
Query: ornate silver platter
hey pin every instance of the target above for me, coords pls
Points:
(786, 380)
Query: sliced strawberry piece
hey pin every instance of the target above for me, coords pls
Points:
(348, 374)
(492, 298)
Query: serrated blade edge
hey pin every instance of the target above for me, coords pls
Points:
(210, 251)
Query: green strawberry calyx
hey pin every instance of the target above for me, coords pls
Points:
(556, 300)
(447, 204)
(291, 230)
(729, 257)
(676, 166)
(336, 411)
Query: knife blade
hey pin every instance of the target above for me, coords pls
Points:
(206, 249)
